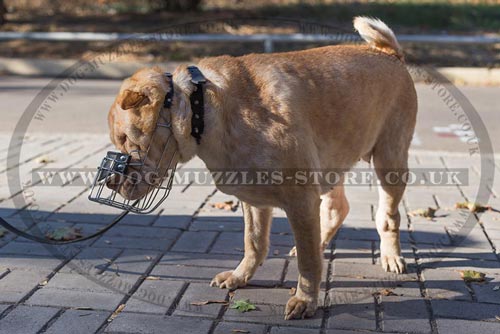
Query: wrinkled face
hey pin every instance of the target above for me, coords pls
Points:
(133, 122)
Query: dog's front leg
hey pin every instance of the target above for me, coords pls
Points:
(304, 218)
(257, 229)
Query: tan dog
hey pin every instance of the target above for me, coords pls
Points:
(324, 108)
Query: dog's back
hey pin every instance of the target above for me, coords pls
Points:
(341, 96)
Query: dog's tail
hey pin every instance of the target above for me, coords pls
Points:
(378, 35)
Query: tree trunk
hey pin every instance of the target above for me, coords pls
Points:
(3, 11)
(180, 5)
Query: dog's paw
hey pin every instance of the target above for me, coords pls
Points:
(293, 251)
(393, 263)
(297, 308)
(227, 280)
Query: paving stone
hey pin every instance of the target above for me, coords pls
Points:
(26, 319)
(371, 271)
(28, 248)
(200, 260)
(445, 284)
(457, 326)
(280, 225)
(230, 328)
(353, 251)
(68, 281)
(272, 315)
(293, 330)
(3, 307)
(464, 310)
(485, 292)
(146, 232)
(451, 263)
(154, 296)
(403, 313)
(29, 263)
(357, 233)
(186, 273)
(269, 273)
(138, 243)
(153, 324)
(17, 284)
(367, 286)
(91, 261)
(75, 298)
(457, 252)
(78, 322)
(173, 220)
(194, 242)
(220, 226)
(356, 312)
(133, 262)
(198, 292)
(229, 243)
(271, 296)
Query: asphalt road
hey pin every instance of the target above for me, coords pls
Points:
(83, 108)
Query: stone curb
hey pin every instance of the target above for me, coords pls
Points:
(120, 70)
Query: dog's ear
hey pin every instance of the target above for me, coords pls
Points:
(130, 99)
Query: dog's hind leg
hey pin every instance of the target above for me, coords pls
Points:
(391, 167)
(333, 210)
(303, 214)
(257, 229)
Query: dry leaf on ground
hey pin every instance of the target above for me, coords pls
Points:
(386, 292)
(472, 207)
(472, 276)
(428, 213)
(206, 302)
(227, 205)
(153, 278)
(44, 160)
(239, 331)
(64, 234)
(117, 311)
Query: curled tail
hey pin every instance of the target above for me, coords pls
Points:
(378, 35)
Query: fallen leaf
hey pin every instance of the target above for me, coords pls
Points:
(108, 242)
(44, 160)
(231, 294)
(206, 302)
(243, 306)
(276, 252)
(292, 291)
(497, 317)
(64, 233)
(428, 213)
(148, 257)
(118, 310)
(239, 331)
(472, 207)
(227, 205)
(44, 283)
(472, 276)
(496, 288)
(387, 292)
(153, 278)
(3, 232)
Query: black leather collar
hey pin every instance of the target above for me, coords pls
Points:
(197, 103)
(196, 99)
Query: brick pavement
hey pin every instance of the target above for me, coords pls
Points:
(143, 275)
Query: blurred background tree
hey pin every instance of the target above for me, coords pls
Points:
(3, 11)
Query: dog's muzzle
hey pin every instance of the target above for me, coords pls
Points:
(146, 185)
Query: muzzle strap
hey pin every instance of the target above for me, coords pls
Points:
(197, 103)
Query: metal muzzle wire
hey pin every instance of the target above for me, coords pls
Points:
(134, 174)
